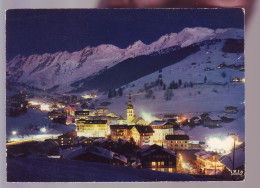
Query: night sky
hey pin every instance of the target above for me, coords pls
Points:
(49, 31)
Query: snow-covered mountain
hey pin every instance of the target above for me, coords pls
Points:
(63, 68)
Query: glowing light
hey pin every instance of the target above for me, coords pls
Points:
(89, 96)
(216, 144)
(43, 130)
(14, 133)
(45, 107)
(148, 117)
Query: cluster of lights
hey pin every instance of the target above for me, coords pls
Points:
(43, 106)
(89, 96)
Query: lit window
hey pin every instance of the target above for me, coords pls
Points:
(153, 163)
(162, 169)
(176, 141)
(170, 169)
(153, 169)
(162, 163)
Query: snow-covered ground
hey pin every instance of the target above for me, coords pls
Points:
(28, 126)
(62, 170)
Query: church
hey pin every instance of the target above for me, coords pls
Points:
(131, 118)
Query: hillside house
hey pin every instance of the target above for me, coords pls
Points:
(157, 158)
(212, 121)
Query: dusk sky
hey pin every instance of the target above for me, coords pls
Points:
(49, 31)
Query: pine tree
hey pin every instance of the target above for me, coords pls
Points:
(205, 79)
(164, 87)
(120, 92)
(180, 82)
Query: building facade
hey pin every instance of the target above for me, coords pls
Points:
(92, 128)
(177, 142)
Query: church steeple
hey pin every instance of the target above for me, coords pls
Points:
(129, 104)
(130, 111)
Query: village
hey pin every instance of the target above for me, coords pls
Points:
(101, 136)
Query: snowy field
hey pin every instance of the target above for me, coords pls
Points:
(29, 126)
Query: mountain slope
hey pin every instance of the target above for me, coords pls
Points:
(63, 68)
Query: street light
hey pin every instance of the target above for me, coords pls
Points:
(43, 130)
(14, 133)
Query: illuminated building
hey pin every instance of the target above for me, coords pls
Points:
(92, 128)
(155, 157)
(81, 115)
(238, 166)
(142, 134)
(70, 109)
(120, 132)
(161, 129)
(207, 163)
(212, 121)
(129, 111)
(236, 79)
(68, 139)
(177, 142)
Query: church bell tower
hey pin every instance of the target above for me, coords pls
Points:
(129, 111)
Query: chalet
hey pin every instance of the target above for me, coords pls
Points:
(81, 115)
(212, 121)
(207, 163)
(120, 132)
(157, 158)
(237, 167)
(68, 139)
(142, 134)
(97, 154)
(92, 128)
(231, 109)
(177, 142)
(161, 129)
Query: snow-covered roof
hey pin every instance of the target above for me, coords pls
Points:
(146, 150)
(227, 160)
(99, 151)
(157, 123)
